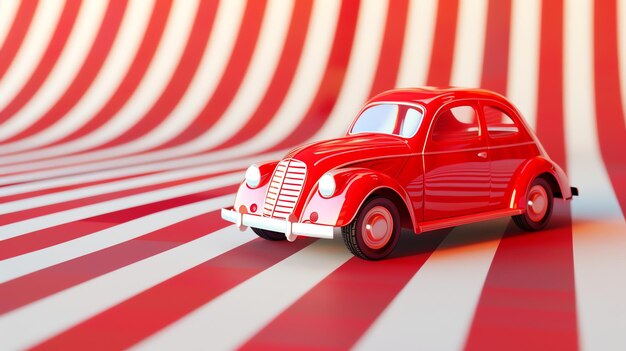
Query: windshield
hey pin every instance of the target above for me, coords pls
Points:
(389, 118)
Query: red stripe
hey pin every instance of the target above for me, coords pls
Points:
(333, 79)
(528, 300)
(134, 75)
(37, 211)
(29, 194)
(391, 48)
(496, 54)
(232, 76)
(142, 315)
(338, 310)
(442, 50)
(15, 37)
(58, 234)
(281, 82)
(87, 73)
(609, 108)
(37, 285)
(178, 84)
(47, 61)
(242, 51)
(219, 101)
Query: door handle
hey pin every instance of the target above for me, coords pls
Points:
(482, 154)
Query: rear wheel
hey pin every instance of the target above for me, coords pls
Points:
(539, 203)
(269, 235)
(374, 232)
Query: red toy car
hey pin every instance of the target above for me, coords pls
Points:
(421, 159)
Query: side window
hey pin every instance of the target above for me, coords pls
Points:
(456, 124)
(499, 124)
(411, 122)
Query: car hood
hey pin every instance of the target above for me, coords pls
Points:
(332, 153)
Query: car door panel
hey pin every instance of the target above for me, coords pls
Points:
(456, 167)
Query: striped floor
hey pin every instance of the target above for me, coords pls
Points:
(125, 126)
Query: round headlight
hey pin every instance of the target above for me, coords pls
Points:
(327, 185)
(253, 176)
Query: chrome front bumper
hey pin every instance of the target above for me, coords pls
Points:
(291, 229)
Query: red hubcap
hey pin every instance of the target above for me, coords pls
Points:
(537, 203)
(377, 227)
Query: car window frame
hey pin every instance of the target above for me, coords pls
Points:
(492, 104)
(477, 143)
(421, 108)
(525, 134)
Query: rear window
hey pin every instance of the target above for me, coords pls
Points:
(499, 124)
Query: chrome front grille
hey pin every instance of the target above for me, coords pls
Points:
(284, 190)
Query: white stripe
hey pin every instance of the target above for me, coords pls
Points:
(524, 57)
(418, 39)
(435, 309)
(232, 318)
(204, 82)
(372, 8)
(154, 82)
(159, 74)
(259, 75)
(33, 224)
(113, 70)
(308, 76)
(361, 68)
(469, 44)
(303, 89)
(32, 48)
(8, 9)
(113, 186)
(621, 38)
(44, 318)
(599, 228)
(76, 49)
(116, 173)
(299, 97)
(215, 58)
(36, 260)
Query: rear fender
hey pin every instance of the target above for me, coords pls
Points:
(531, 169)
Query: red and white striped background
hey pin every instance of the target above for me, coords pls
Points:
(125, 126)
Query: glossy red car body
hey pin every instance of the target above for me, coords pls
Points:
(472, 158)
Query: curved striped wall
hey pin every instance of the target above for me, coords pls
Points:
(125, 126)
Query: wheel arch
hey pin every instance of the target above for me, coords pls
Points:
(355, 186)
(388, 193)
(538, 167)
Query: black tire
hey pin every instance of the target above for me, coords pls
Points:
(269, 235)
(530, 220)
(355, 238)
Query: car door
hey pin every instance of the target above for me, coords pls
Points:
(509, 146)
(456, 164)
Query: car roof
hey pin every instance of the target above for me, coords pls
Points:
(434, 97)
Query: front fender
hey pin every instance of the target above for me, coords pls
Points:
(354, 186)
(528, 171)
(247, 196)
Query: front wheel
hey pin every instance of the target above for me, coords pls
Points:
(374, 232)
(539, 201)
(269, 235)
